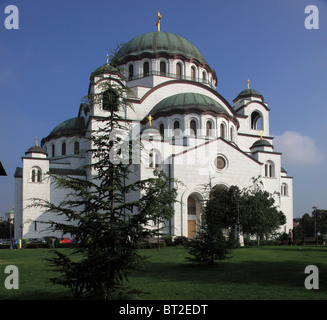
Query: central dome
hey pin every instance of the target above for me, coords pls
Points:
(155, 42)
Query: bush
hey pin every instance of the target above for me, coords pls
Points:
(180, 240)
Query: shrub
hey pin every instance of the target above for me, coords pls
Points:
(180, 240)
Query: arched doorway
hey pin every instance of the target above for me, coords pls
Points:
(193, 215)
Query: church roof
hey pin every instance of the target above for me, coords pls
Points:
(105, 69)
(36, 149)
(156, 42)
(185, 101)
(249, 93)
(70, 127)
(262, 143)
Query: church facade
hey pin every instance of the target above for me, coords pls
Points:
(186, 126)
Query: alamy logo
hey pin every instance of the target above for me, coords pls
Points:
(12, 19)
(312, 280)
(312, 20)
(11, 281)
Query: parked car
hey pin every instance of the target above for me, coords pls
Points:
(65, 240)
(34, 240)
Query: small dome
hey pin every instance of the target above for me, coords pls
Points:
(149, 128)
(249, 93)
(262, 143)
(187, 101)
(155, 42)
(104, 69)
(35, 149)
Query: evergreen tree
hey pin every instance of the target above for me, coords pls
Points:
(96, 211)
(220, 212)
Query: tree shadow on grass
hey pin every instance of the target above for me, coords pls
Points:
(286, 274)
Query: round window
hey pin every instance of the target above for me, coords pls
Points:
(220, 163)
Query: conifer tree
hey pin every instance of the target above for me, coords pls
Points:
(97, 211)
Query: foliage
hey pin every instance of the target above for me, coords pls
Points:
(5, 229)
(97, 211)
(258, 214)
(161, 210)
(220, 211)
(307, 222)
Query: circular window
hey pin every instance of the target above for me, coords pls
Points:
(220, 163)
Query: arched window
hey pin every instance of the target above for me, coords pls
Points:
(130, 72)
(162, 68)
(269, 169)
(146, 69)
(193, 127)
(36, 174)
(39, 174)
(162, 129)
(76, 147)
(154, 159)
(222, 131)
(110, 100)
(284, 189)
(179, 70)
(63, 148)
(33, 175)
(177, 131)
(208, 128)
(204, 76)
(193, 73)
(191, 206)
(256, 121)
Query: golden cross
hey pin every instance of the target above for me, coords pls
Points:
(158, 21)
(107, 59)
(150, 119)
(261, 133)
(36, 143)
(248, 83)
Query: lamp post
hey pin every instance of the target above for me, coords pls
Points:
(314, 208)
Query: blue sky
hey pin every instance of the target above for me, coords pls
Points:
(45, 67)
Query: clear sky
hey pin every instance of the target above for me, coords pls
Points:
(45, 67)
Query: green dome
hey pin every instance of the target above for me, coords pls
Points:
(70, 127)
(35, 149)
(186, 101)
(155, 42)
(249, 93)
(262, 143)
(103, 70)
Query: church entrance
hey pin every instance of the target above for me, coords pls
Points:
(193, 215)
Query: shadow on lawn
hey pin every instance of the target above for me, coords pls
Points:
(286, 273)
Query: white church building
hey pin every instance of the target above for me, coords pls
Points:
(187, 127)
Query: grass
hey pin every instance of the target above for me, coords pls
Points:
(251, 273)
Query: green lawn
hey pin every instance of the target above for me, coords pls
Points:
(250, 274)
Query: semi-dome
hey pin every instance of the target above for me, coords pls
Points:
(183, 102)
(70, 127)
(157, 42)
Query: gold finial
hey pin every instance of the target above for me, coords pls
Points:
(248, 83)
(107, 59)
(36, 143)
(261, 133)
(158, 21)
(150, 119)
